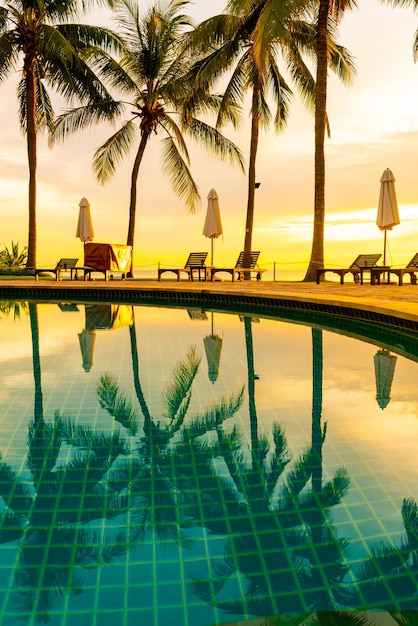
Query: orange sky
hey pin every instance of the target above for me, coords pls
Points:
(374, 125)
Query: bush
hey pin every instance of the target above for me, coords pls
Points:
(14, 258)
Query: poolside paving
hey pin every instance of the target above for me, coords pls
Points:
(385, 298)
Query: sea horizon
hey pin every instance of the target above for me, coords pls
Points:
(268, 275)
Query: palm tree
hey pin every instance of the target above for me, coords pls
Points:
(322, 45)
(229, 39)
(152, 74)
(38, 38)
(249, 38)
(328, 13)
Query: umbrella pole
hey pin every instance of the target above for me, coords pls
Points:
(211, 251)
(384, 248)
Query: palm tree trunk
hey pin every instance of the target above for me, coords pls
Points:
(317, 253)
(255, 123)
(132, 206)
(32, 157)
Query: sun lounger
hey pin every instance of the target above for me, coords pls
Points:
(195, 263)
(241, 267)
(411, 269)
(63, 265)
(360, 265)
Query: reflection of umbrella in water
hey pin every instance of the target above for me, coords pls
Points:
(84, 225)
(213, 348)
(101, 317)
(387, 212)
(87, 339)
(213, 225)
(384, 369)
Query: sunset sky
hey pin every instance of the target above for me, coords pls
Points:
(374, 125)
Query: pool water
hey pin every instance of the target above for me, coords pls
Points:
(164, 465)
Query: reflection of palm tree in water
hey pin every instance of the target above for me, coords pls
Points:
(282, 538)
(388, 577)
(49, 519)
(170, 449)
(273, 516)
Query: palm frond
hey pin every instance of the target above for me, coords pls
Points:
(410, 521)
(215, 142)
(415, 46)
(44, 443)
(234, 92)
(9, 55)
(170, 126)
(116, 74)
(84, 37)
(302, 77)
(385, 559)
(113, 151)
(44, 110)
(299, 476)
(75, 120)
(183, 376)
(14, 492)
(342, 63)
(11, 527)
(334, 490)
(279, 459)
(215, 415)
(179, 174)
(116, 403)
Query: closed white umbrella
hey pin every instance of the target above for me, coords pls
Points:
(213, 225)
(84, 226)
(387, 211)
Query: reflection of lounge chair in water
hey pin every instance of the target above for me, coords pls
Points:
(68, 307)
(101, 317)
(108, 316)
(197, 314)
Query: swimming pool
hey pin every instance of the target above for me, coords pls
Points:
(164, 464)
